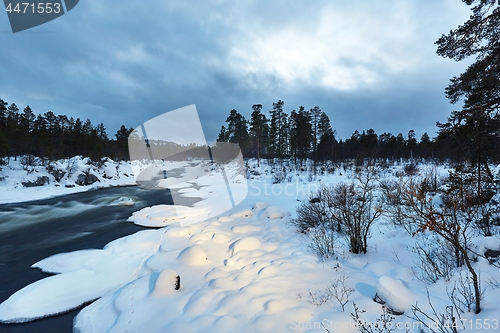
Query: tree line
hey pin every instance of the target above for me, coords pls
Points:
(50, 136)
(308, 134)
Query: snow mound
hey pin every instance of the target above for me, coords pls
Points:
(245, 228)
(242, 214)
(193, 255)
(245, 244)
(395, 295)
(274, 212)
(163, 215)
(220, 238)
(258, 206)
(165, 283)
(179, 232)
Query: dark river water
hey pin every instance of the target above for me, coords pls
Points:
(34, 230)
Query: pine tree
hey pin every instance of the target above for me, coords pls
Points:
(122, 142)
(223, 135)
(26, 126)
(237, 130)
(315, 119)
(425, 146)
(411, 143)
(278, 131)
(478, 87)
(14, 137)
(257, 131)
(301, 135)
(327, 142)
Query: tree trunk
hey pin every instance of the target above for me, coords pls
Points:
(475, 281)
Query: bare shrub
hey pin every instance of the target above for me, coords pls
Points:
(340, 291)
(487, 217)
(395, 207)
(434, 321)
(28, 162)
(381, 325)
(450, 219)
(337, 290)
(354, 206)
(462, 295)
(436, 258)
(349, 207)
(279, 176)
(323, 242)
(316, 211)
(494, 284)
(411, 169)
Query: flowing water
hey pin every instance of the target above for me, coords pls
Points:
(32, 231)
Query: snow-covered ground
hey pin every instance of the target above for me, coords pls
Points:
(19, 183)
(245, 270)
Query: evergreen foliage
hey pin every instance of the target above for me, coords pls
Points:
(50, 136)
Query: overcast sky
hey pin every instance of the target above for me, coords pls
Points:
(366, 63)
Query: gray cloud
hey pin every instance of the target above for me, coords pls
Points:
(368, 64)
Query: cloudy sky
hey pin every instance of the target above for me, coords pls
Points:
(366, 63)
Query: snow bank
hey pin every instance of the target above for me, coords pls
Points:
(395, 295)
(20, 183)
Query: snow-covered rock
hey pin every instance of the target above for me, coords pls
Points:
(394, 294)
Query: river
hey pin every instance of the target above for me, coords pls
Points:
(32, 231)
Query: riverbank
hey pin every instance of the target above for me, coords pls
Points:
(20, 182)
(80, 221)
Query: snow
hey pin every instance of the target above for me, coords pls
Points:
(193, 255)
(394, 293)
(165, 283)
(242, 269)
(107, 172)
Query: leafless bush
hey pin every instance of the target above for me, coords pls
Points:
(434, 321)
(336, 290)
(317, 211)
(279, 176)
(310, 177)
(395, 207)
(323, 241)
(28, 162)
(435, 258)
(432, 180)
(450, 220)
(411, 169)
(494, 283)
(382, 325)
(487, 217)
(340, 291)
(462, 295)
(354, 206)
